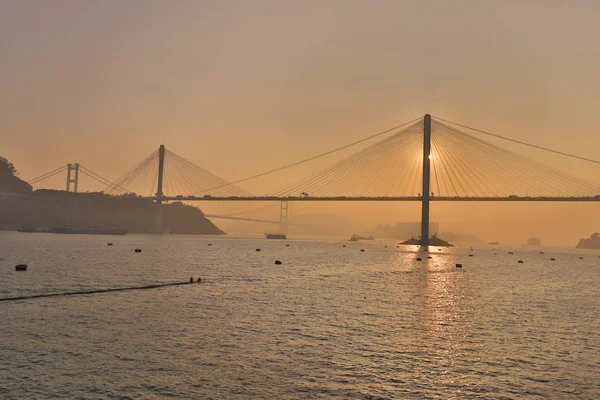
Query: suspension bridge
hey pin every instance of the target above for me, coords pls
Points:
(424, 160)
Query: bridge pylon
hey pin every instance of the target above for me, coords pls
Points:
(161, 170)
(426, 180)
(72, 180)
(283, 217)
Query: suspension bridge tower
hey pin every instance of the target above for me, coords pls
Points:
(159, 220)
(426, 180)
(161, 171)
(72, 180)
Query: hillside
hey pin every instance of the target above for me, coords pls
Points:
(9, 181)
(22, 207)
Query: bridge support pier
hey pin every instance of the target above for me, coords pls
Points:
(426, 180)
(283, 217)
(159, 223)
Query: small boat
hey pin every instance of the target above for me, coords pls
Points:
(21, 267)
(275, 236)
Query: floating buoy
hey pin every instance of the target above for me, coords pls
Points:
(344, 246)
(191, 280)
(470, 255)
(553, 259)
(458, 265)
(520, 261)
(581, 258)
(21, 267)
(210, 244)
(109, 244)
(362, 249)
(257, 249)
(199, 280)
(418, 259)
(277, 262)
(138, 250)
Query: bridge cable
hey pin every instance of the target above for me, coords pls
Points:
(321, 155)
(114, 185)
(46, 175)
(509, 168)
(520, 142)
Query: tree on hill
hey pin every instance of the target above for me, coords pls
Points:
(7, 166)
(9, 181)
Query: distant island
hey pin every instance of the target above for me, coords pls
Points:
(23, 208)
(533, 241)
(593, 242)
(433, 241)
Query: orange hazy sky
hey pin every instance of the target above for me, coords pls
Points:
(240, 87)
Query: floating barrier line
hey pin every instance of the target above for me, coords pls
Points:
(84, 292)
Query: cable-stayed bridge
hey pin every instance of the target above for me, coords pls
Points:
(424, 160)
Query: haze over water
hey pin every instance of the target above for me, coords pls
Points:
(242, 87)
(329, 322)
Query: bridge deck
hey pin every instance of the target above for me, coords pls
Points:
(411, 198)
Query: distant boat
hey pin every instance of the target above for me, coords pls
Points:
(89, 231)
(33, 230)
(493, 243)
(275, 236)
(356, 238)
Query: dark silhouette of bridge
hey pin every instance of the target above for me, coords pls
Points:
(424, 160)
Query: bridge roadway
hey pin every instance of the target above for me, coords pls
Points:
(264, 221)
(408, 198)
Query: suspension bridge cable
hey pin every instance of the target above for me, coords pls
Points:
(458, 170)
(323, 154)
(523, 166)
(354, 174)
(139, 175)
(46, 175)
(106, 181)
(520, 142)
(438, 158)
(511, 173)
(130, 175)
(472, 172)
(84, 172)
(469, 160)
(205, 175)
